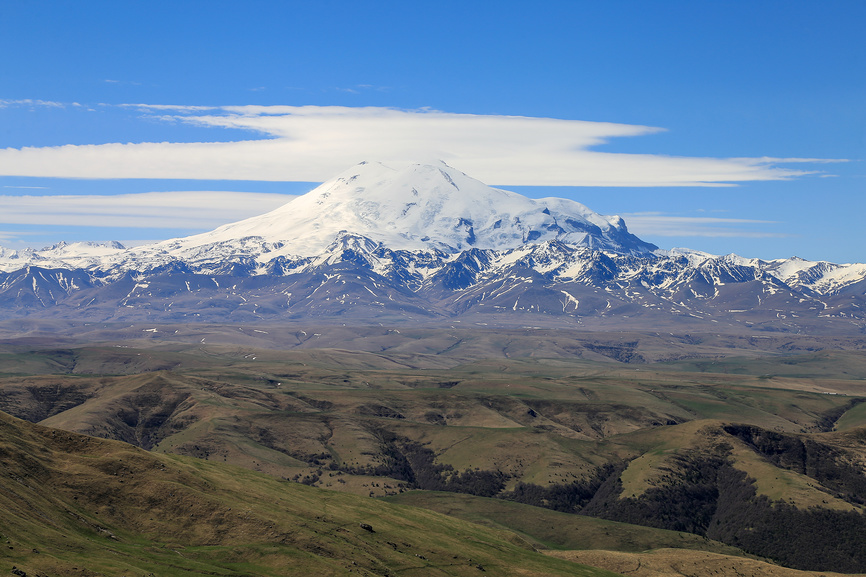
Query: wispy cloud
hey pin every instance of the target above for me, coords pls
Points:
(660, 224)
(6, 236)
(359, 88)
(129, 82)
(186, 209)
(29, 103)
(162, 107)
(312, 143)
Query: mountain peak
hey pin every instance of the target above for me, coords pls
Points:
(415, 206)
(412, 241)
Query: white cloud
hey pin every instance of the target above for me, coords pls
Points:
(174, 107)
(34, 103)
(312, 143)
(646, 224)
(187, 209)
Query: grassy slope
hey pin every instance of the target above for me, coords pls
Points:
(75, 505)
(620, 547)
(559, 531)
(679, 563)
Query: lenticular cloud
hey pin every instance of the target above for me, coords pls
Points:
(310, 143)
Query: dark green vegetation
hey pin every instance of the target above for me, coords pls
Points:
(559, 531)
(757, 447)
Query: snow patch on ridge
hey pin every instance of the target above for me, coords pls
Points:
(417, 220)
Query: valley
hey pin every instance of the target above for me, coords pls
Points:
(603, 441)
(75, 505)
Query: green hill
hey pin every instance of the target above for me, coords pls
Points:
(77, 505)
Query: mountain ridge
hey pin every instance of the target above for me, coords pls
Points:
(426, 241)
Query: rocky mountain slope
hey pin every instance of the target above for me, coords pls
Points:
(427, 242)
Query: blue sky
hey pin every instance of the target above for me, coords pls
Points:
(735, 126)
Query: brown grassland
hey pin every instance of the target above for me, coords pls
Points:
(263, 456)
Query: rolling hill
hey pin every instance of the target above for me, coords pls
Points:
(76, 505)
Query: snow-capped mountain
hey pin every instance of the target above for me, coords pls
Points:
(415, 207)
(420, 207)
(83, 255)
(425, 241)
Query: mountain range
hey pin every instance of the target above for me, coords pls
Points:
(405, 338)
(425, 242)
